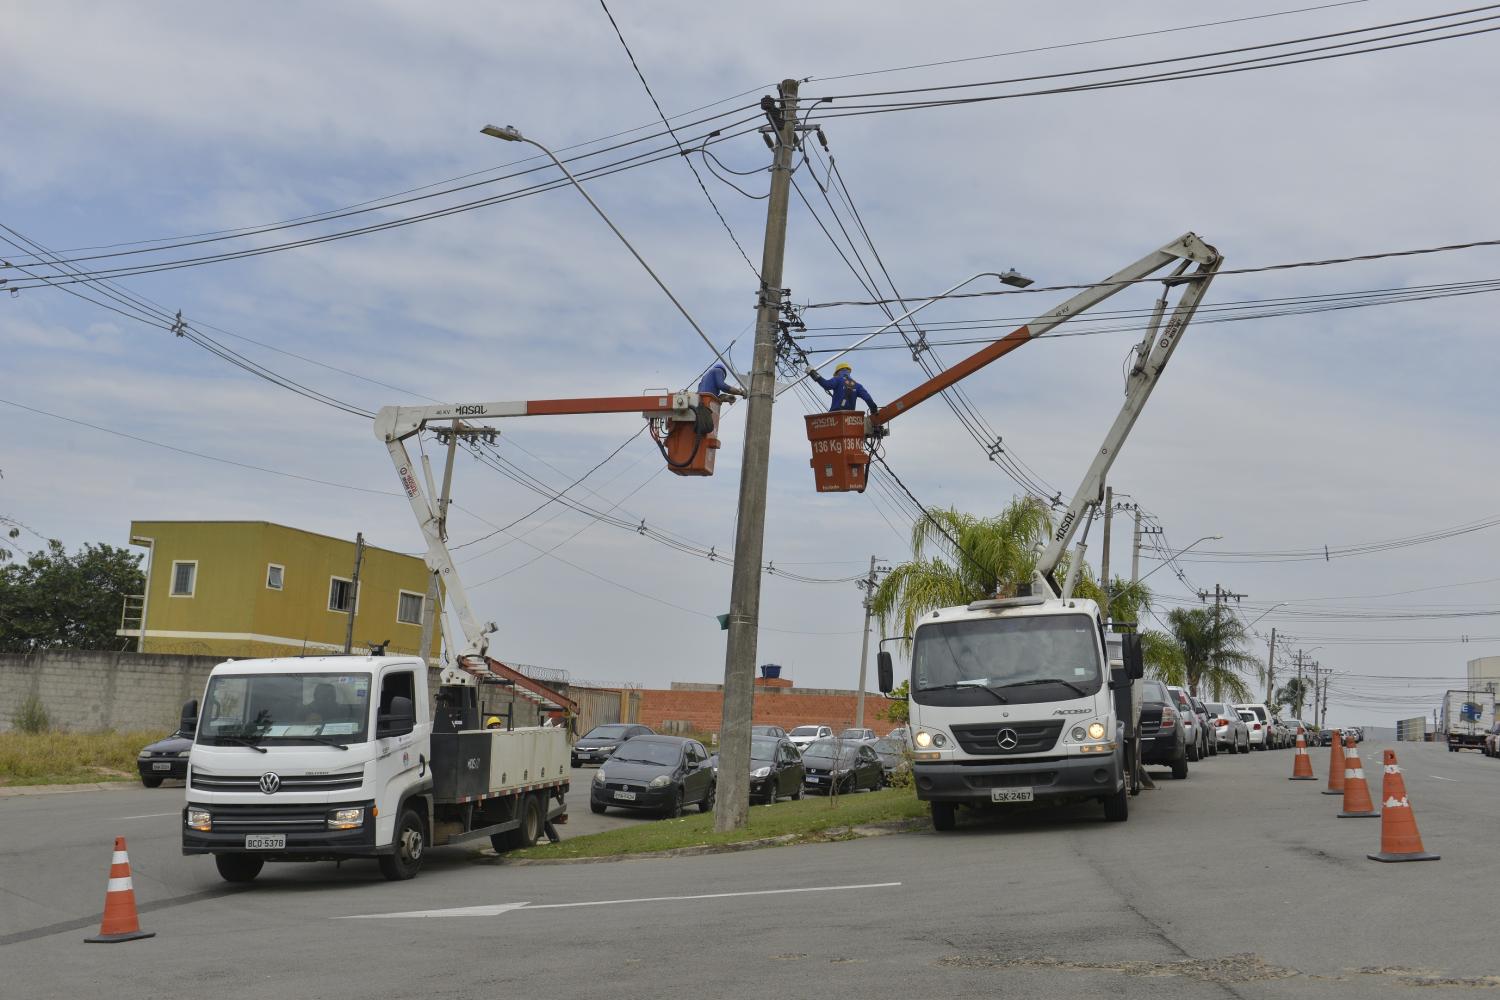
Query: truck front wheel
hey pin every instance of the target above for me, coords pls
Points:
(239, 867)
(410, 848)
(944, 816)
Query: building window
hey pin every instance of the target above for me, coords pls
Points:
(274, 574)
(409, 607)
(184, 578)
(340, 595)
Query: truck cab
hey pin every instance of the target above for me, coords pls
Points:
(1014, 700)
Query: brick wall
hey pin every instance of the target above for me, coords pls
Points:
(92, 690)
(777, 703)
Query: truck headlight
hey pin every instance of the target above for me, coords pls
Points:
(1077, 734)
(661, 781)
(199, 819)
(924, 738)
(1096, 730)
(760, 772)
(347, 819)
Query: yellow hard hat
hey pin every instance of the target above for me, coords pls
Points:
(843, 366)
(493, 722)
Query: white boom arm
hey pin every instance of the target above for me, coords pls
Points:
(1151, 358)
(394, 424)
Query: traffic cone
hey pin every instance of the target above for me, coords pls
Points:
(1335, 765)
(1357, 804)
(1302, 763)
(120, 922)
(1399, 839)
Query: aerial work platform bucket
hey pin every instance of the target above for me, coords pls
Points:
(689, 452)
(839, 460)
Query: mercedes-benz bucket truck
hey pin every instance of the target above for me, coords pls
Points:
(1030, 698)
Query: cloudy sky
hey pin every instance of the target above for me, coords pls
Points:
(1281, 433)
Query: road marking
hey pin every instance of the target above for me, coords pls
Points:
(152, 815)
(499, 908)
(1439, 777)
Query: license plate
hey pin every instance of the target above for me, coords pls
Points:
(1010, 795)
(265, 841)
(163, 766)
(813, 779)
(625, 796)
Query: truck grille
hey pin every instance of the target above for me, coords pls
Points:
(1030, 737)
(1019, 779)
(289, 782)
(269, 817)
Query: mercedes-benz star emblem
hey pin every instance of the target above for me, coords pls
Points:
(1007, 739)
(269, 782)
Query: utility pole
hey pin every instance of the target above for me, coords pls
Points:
(1271, 670)
(1109, 509)
(868, 586)
(359, 558)
(1221, 596)
(1135, 559)
(733, 809)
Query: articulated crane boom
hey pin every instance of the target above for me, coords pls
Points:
(1151, 357)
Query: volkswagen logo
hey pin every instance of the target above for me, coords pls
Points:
(270, 782)
(1007, 739)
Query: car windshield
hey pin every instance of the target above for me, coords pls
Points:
(606, 732)
(1248, 716)
(285, 708)
(1257, 711)
(825, 751)
(763, 749)
(999, 652)
(805, 731)
(649, 752)
(889, 746)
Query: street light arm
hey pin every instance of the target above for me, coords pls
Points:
(1168, 560)
(511, 134)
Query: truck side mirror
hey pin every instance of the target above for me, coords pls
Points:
(400, 720)
(188, 722)
(1131, 653)
(884, 672)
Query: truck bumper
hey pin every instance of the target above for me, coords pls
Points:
(1047, 778)
(304, 840)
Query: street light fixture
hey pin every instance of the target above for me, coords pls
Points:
(1264, 613)
(1174, 555)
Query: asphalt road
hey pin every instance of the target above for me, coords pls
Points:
(1233, 883)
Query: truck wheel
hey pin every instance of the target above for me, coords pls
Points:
(238, 867)
(944, 816)
(530, 830)
(410, 848)
(1179, 767)
(150, 781)
(1117, 806)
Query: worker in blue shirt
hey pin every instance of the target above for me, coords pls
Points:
(842, 388)
(716, 381)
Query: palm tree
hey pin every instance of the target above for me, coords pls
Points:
(995, 554)
(1204, 652)
(1294, 695)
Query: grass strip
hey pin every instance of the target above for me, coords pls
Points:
(62, 758)
(814, 818)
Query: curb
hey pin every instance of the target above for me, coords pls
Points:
(832, 834)
(7, 791)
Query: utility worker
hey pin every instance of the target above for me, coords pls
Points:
(493, 722)
(715, 382)
(843, 389)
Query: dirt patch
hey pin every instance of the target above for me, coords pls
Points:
(1242, 968)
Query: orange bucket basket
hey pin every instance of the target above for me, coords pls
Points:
(839, 460)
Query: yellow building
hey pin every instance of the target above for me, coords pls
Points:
(252, 588)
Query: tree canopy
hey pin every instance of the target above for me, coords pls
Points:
(54, 600)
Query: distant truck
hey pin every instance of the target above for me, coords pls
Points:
(335, 757)
(1466, 717)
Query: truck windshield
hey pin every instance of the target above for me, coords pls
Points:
(285, 708)
(1008, 652)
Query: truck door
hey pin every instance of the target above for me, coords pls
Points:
(400, 759)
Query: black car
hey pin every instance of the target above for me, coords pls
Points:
(1163, 737)
(163, 759)
(892, 753)
(775, 769)
(775, 731)
(662, 773)
(833, 765)
(596, 745)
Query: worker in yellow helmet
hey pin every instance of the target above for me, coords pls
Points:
(843, 389)
(493, 722)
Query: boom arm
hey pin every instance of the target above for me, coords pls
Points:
(394, 424)
(1152, 355)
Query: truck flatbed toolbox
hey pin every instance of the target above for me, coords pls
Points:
(480, 763)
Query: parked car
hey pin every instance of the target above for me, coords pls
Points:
(834, 765)
(775, 731)
(858, 736)
(1210, 739)
(1259, 722)
(893, 756)
(1281, 736)
(803, 735)
(1163, 739)
(661, 773)
(775, 769)
(166, 758)
(901, 733)
(595, 746)
(1230, 731)
(1309, 736)
(1325, 737)
(1194, 732)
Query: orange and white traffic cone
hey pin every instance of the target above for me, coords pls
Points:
(1357, 804)
(120, 921)
(1335, 765)
(1302, 763)
(1399, 840)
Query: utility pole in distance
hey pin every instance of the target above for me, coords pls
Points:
(1271, 670)
(1135, 558)
(359, 558)
(868, 586)
(1109, 509)
(733, 808)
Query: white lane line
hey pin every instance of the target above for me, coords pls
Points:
(152, 815)
(1439, 777)
(499, 908)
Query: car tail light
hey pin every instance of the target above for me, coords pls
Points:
(1256, 726)
(1168, 718)
(1221, 722)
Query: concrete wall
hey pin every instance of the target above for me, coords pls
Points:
(89, 690)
